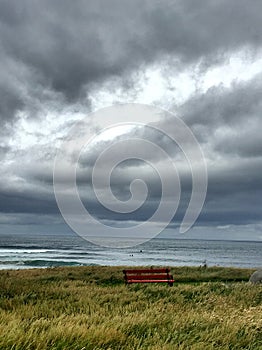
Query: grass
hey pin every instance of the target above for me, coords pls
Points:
(82, 308)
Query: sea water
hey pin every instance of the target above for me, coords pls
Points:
(29, 251)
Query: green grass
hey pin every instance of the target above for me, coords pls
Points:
(79, 308)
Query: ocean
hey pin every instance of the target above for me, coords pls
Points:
(19, 252)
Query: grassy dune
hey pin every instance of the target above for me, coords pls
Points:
(91, 308)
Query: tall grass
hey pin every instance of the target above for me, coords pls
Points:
(91, 308)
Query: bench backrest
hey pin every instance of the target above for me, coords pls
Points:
(148, 275)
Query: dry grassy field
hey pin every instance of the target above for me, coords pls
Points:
(91, 308)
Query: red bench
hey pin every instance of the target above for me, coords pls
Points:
(159, 275)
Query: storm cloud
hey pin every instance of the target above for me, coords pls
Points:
(60, 61)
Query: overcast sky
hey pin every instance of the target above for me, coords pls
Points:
(201, 60)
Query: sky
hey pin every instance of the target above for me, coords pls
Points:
(62, 61)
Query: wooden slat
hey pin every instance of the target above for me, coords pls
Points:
(150, 281)
(148, 277)
(136, 271)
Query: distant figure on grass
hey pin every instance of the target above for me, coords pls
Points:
(256, 277)
(203, 265)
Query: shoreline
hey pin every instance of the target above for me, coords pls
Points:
(57, 265)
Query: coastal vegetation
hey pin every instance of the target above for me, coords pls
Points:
(82, 308)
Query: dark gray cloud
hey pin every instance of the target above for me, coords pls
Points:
(228, 119)
(17, 202)
(240, 103)
(54, 54)
(69, 47)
